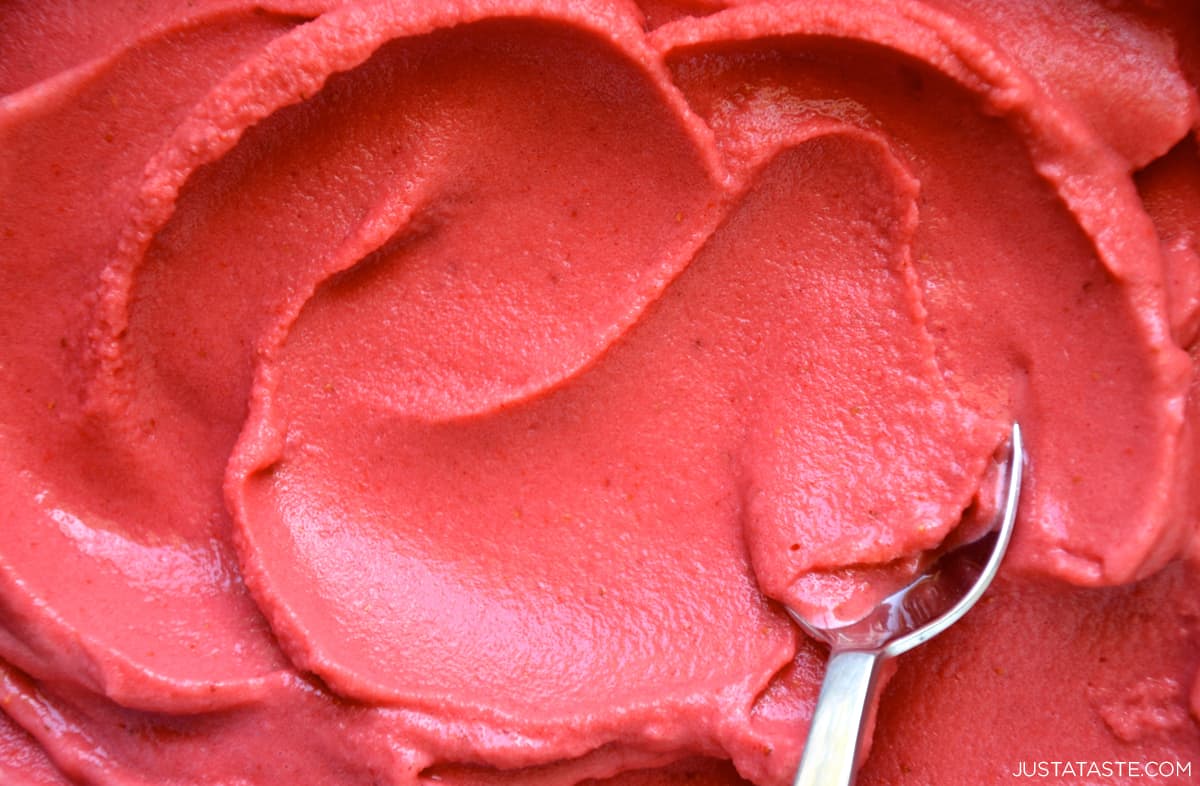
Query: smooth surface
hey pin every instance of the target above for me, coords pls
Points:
(455, 390)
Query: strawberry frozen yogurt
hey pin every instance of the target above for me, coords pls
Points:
(458, 392)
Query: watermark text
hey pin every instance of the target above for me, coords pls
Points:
(1102, 769)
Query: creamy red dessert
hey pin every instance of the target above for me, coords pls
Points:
(458, 392)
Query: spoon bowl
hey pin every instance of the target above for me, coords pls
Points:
(937, 598)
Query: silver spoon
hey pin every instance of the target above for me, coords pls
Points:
(934, 601)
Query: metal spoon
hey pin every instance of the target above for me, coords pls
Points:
(934, 601)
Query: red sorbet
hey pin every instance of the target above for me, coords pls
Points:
(457, 392)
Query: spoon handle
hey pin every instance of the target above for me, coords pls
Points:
(837, 723)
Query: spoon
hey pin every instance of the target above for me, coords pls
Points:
(932, 602)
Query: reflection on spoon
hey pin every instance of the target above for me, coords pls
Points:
(932, 602)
